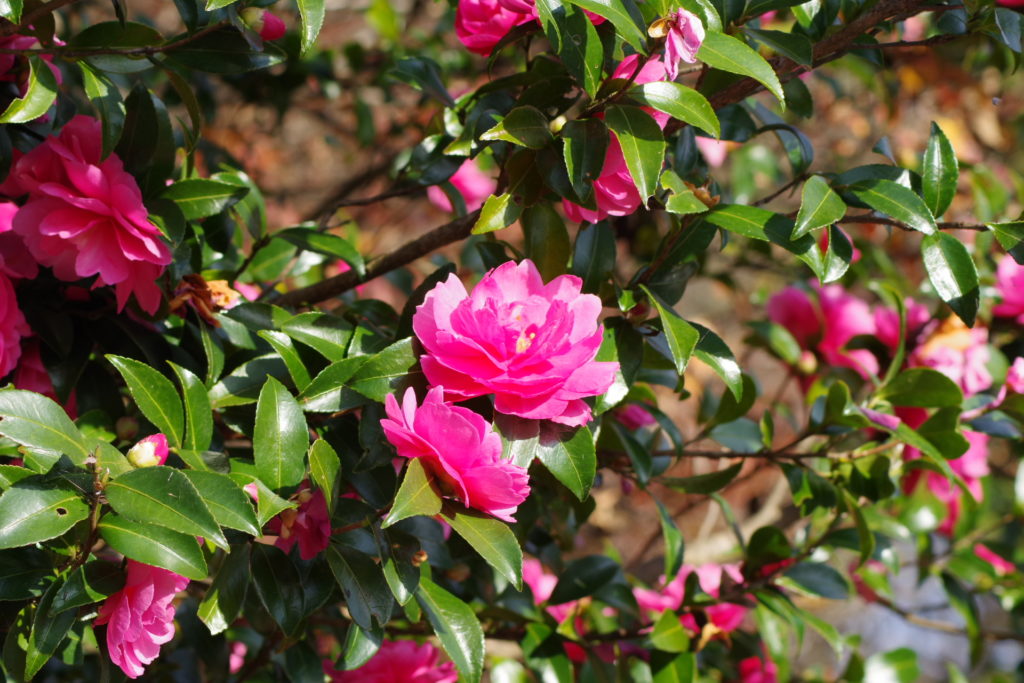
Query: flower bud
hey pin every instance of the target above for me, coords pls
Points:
(267, 24)
(126, 428)
(149, 452)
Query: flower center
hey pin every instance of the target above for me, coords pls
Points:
(524, 341)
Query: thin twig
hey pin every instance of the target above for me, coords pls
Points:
(945, 225)
(147, 51)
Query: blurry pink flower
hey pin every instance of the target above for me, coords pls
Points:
(685, 34)
(1010, 3)
(149, 451)
(474, 185)
(401, 661)
(140, 616)
(1010, 285)
(1001, 565)
(971, 466)
(12, 326)
(85, 216)
(542, 584)
(1015, 376)
(481, 24)
(309, 525)
(459, 449)
(531, 345)
(957, 351)
(9, 67)
(236, 658)
(31, 375)
(15, 259)
(713, 151)
(250, 292)
(887, 323)
(757, 670)
(825, 236)
(267, 24)
(634, 416)
(726, 616)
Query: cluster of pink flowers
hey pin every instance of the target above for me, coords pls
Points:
(726, 617)
(398, 661)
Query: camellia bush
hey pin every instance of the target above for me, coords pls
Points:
(225, 454)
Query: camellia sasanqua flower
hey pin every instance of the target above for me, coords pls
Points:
(725, 617)
(309, 525)
(140, 616)
(684, 33)
(459, 449)
(481, 24)
(398, 661)
(84, 215)
(532, 345)
(473, 184)
(149, 452)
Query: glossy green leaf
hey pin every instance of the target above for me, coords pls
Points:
(36, 509)
(456, 626)
(313, 240)
(312, 14)
(793, 45)
(40, 94)
(673, 668)
(922, 387)
(722, 51)
(282, 343)
(1011, 236)
(581, 49)
(642, 143)
(223, 600)
(710, 349)
(582, 577)
(618, 13)
(154, 395)
(819, 207)
(361, 580)
(105, 96)
(325, 466)
(679, 102)
(939, 172)
(498, 212)
(228, 503)
(359, 646)
(225, 51)
(88, 584)
(11, 10)
(682, 337)
(35, 421)
(165, 496)
(669, 634)
(418, 495)
(278, 586)
(423, 74)
(586, 142)
(155, 545)
(896, 201)
(760, 224)
(280, 437)
(49, 628)
(268, 503)
(24, 573)
(202, 197)
(570, 456)
(328, 334)
(385, 371)
(952, 272)
(326, 393)
(639, 454)
(113, 36)
(673, 539)
(546, 240)
(243, 384)
(839, 255)
(198, 414)
(523, 126)
(493, 539)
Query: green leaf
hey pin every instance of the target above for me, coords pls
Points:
(202, 197)
(727, 53)
(11, 10)
(499, 211)
(154, 395)
(115, 36)
(25, 574)
(493, 539)
(242, 386)
(268, 503)
(155, 545)
(546, 240)
(586, 142)
(1011, 237)
(327, 334)
(225, 51)
(571, 457)
(896, 201)
(49, 628)
(280, 437)
(711, 350)
(327, 392)
(820, 579)
(682, 337)
(639, 454)
(105, 96)
(278, 586)
(227, 502)
(384, 371)
(593, 255)
(367, 595)
(163, 495)
(793, 45)
(642, 143)
(581, 49)
(423, 74)
(839, 255)
(673, 668)
(679, 102)
(35, 421)
(40, 94)
(939, 173)
(418, 495)
(36, 509)
(88, 584)
(669, 634)
(952, 273)
(704, 483)
(325, 466)
(761, 224)
(922, 387)
(583, 577)
(224, 598)
(819, 207)
(282, 343)
(313, 240)
(312, 14)
(618, 12)
(674, 544)
(523, 126)
(398, 552)
(198, 413)
(456, 626)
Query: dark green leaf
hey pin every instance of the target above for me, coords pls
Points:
(839, 255)
(952, 273)
(819, 579)
(418, 495)
(278, 585)
(35, 421)
(24, 574)
(546, 240)
(583, 577)
(280, 437)
(682, 337)
(570, 455)
(623, 15)
(939, 172)
(384, 371)
(327, 393)
(712, 350)
(593, 256)
(198, 414)
(424, 75)
(456, 626)
(35, 509)
(679, 102)
(704, 483)
(896, 201)
(358, 647)
(49, 628)
(225, 596)
(282, 343)
(639, 454)
(1011, 237)
(581, 48)
(760, 224)
(225, 51)
(228, 503)
(793, 45)
(324, 466)
(114, 36)
(154, 395)
(491, 538)
(674, 545)
(922, 387)
(107, 99)
(819, 207)
(523, 126)
(367, 595)
(499, 211)
(722, 51)
(155, 545)
(643, 145)
(328, 334)
(586, 141)
(242, 386)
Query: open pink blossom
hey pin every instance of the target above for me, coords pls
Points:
(398, 661)
(542, 584)
(1001, 565)
(13, 326)
(726, 616)
(1010, 285)
(149, 452)
(1015, 376)
(957, 351)
(481, 24)
(685, 34)
(309, 525)
(530, 344)
(757, 670)
(474, 185)
(140, 616)
(459, 449)
(887, 323)
(84, 216)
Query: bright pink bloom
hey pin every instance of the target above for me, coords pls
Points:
(726, 616)
(1015, 376)
(459, 449)
(140, 616)
(400, 661)
(713, 151)
(959, 352)
(12, 326)
(531, 345)
(1010, 285)
(542, 584)
(149, 451)
(685, 34)
(15, 259)
(309, 525)
(85, 216)
(634, 416)
(1000, 564)
(614, 190)
(474, 185)
(828, 326)
(971, 466)
(236, 659)
(481, 24)
(887, 323)
(757, 670)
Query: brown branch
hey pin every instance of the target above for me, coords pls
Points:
(327, 208)
(944, 626)
(945, 225)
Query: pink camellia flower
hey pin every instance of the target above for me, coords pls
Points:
(459, 449)
(634, 416)
(713, 151)
(685, 34)
(1010, 285)
(1000, 564)
(757, 670)
(529, 344)
(957, 351)
(13, 326)
(236, 658)
(887, 323)
(542, 584)
(481, 24)
(474, 185)
(140, 616)
(401, 661)
(614, 191)
(15, 259)
(1015, 376)
(267, 24)
(828, 326)
(149, 451)
(309, 525)
(84, 216)
(725, 616)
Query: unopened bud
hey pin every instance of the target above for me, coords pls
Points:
(807, 363)
(267, 24)
(149, 452)
(126, 428)
(557, 124)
